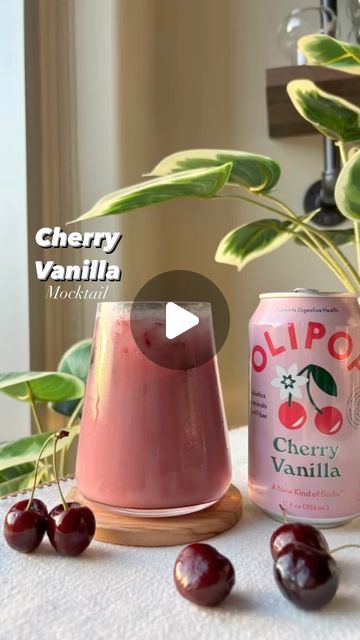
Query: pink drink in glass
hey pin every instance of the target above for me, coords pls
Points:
(153, 439)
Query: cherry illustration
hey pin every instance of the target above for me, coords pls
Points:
(203, 575)
(329, 421)
(292, 416)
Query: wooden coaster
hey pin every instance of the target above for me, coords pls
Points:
(162, 532)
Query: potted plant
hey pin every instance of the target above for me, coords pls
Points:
(217, 174)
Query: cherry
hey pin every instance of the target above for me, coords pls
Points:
(25, 525)
(291, 532)
(202, 575)
(329, 421)
(306, 576)
(26, 521)
(71, 528)
(292, 416)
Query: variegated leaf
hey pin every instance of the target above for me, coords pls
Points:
(339, 237)
(347, 189)
(254, 172)
(323, 50)
(334, 117)
(198, 183)
(250, 241)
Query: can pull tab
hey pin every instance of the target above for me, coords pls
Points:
(305, 290)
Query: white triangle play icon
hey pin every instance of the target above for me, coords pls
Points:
(178, 320)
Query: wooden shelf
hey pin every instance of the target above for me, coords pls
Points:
(283, 119)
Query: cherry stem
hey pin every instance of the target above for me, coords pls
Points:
(58, 436)
(284, 514)
(311, 399)
(345, 546)
(29, 504)
(303, 370)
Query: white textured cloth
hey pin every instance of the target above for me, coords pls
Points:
(127, 593)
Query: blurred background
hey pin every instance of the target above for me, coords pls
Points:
(93, 94)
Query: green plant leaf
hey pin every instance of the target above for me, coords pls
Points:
(45, 386)
(198, 183)
(27, 449)
(16, 478)
(347, 189)
(334, 117)
(16, 470)
(323, 50)
(337, 236)
(323, 379)
(254, 172)
(75, 361)
(252, 240)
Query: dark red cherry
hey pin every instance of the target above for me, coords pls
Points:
(24, 528)
(297, 532)
(203, 575)
(71, 530)
(307, 577)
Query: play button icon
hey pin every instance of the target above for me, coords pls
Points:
(178, 320)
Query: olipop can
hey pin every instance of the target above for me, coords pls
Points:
(304, 406)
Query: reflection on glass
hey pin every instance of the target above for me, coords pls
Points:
(302, 22)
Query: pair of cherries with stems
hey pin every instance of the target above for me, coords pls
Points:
(70, 526)
(304, 568)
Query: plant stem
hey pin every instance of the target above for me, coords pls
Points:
(315, 234)
(37, 469)
(36, 420)
(33, 409)
(70, 423)
(284, 514)
(65, 504)
(339, 272)
(345, 546)
(311, 399)
(324, 256)
(342, 148)
(75, 413)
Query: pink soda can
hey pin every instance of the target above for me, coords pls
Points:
(304, 406)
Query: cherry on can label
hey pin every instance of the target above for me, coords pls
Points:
(304, 406)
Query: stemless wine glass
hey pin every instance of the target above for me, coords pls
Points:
(153, 439)
(302, 22)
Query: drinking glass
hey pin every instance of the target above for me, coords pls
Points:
(153, 438)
